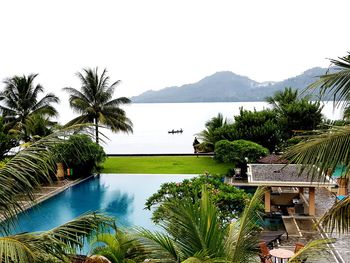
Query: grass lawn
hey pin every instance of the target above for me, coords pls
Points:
(164, 165)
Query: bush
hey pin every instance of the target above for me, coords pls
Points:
(229, 199)
(237, 151)
(80, 153)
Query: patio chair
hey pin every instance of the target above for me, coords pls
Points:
(297, 248)
(264, 254)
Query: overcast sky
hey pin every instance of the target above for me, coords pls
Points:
(154, 44)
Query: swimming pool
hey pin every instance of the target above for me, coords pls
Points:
(120, 195)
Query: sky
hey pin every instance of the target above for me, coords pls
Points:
(155, 44)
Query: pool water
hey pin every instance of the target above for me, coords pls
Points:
(119, 195)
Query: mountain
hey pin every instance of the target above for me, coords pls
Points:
(227, 86)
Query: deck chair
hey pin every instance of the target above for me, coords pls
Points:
(297, 248)
(264, 254)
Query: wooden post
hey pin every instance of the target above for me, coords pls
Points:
(268, 200)
(312, 209)
(343, 186)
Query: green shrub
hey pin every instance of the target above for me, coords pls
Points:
(90, 154)
(237, 151)
(229, 199)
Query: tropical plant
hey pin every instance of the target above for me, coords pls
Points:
(229, 200)
(328, 148)
(216, 129)
(194, 233)
(237, 151)
(20, 102)
(22, 175)
(7, 141)
(95, 105)
(261, 127)
(312, 250)
(80, 153)
(295, 114)
(117, 247)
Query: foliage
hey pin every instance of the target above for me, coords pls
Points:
(229, 199)
(7, 141)
(194, 233)
(22, 175)
(312, 250)
(295, 114)
(237, 151)
(20, 102)
(216, 129)
(80, 153)
(164, 165)
(330, 147)
(54, 244)
(95, 105)
(118, 247)
(261, 127)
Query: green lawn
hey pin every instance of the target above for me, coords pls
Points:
(165, 165)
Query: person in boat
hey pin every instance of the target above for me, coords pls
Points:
(195, 145)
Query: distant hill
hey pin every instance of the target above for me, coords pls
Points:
(227, 86)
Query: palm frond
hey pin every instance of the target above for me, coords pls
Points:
(158, 245)
(24, 172)
(12, 250)
(60, 241)
(312, 250)
(241, 244)
(338, 217)
(322, 151)
(336, 84)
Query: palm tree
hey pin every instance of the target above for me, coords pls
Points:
(117, 247)
(328, 148)
(282, 98)
(20, 102)
(22, 175)
(209, 136)
(194, 233)
(95, 105)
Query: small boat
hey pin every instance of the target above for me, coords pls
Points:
(175, 131)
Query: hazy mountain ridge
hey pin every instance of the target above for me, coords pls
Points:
(225, 86)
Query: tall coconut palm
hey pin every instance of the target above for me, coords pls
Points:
(328, 148)
(194, 233)
(20, 102)
(95, 104)
(21, 176)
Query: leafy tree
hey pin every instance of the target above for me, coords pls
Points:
(237, 151)
(326, 149)
(7, 141)
(20, 102)
(194, 233)
(261, 127)
(229, 199)
(95, 105)
(21, 176)
(294, 113)
(80, 153)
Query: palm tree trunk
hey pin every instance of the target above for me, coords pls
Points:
(96, 130)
